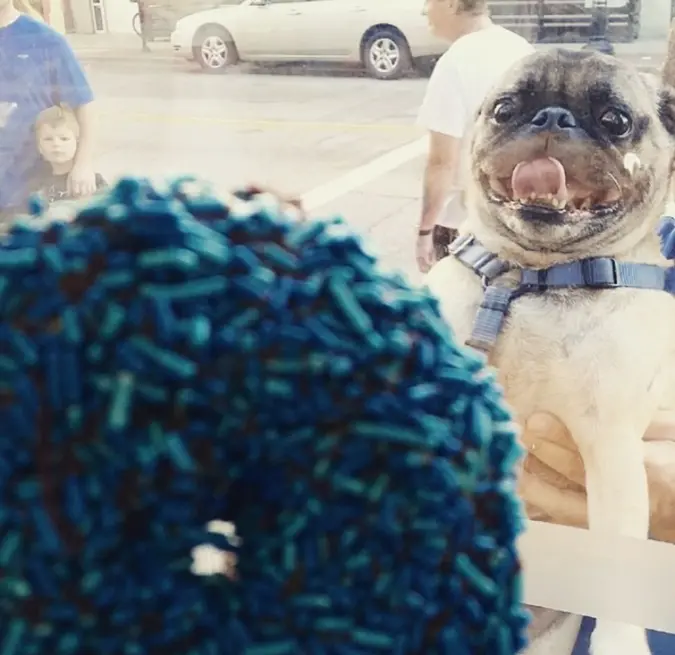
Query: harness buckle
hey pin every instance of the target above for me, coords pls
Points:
(600, 273)
(460, 244)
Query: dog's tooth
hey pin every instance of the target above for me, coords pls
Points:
(533, 196)
(631, 162)
(549, 197)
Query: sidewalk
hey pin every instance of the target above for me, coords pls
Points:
(91, 47)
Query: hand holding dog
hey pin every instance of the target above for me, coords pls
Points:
(424, 252)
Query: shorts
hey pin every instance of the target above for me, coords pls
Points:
(442, 237)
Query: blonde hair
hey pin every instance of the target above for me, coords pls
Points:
(25, 7)
(55, 117)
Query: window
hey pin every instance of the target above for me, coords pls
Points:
(362, 108)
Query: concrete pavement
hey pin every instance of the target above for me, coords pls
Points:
(295, 133)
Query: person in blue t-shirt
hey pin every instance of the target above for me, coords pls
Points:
(38, 69)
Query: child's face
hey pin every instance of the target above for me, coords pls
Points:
(57, 143)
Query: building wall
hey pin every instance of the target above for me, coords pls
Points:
(655, 19)
(119, 14)
(83, 22)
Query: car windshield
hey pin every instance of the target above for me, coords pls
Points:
(512, 158)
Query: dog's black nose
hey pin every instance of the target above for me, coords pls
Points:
(553, 119)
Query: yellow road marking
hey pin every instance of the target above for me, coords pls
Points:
(253, 123)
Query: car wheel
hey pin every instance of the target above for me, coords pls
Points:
(215, 50)
(386, 55)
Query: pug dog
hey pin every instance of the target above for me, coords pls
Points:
(572, 158)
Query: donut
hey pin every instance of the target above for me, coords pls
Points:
(173, 361)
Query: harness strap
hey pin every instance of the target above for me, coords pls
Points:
(591, 273)
(596, 273)
(491, 316)
(478, 258)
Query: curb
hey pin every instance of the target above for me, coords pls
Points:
(139, 59)
(136, 57)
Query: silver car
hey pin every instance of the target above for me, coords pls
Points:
(386, 36)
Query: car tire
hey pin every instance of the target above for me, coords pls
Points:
(215, 50)
(386, 55)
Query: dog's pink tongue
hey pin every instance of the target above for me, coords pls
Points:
(541, 178)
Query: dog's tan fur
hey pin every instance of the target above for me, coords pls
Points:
(600, 361)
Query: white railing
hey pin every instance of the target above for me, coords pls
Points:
(579, 571)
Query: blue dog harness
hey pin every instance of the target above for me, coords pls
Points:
(591, 273)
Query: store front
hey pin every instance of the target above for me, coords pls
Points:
(565, 21)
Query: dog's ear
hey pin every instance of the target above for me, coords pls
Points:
(667, 91)
(668, 70)
(667, 108)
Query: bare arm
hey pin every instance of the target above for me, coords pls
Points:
(85, 147)
(439, 176)
(82, 178)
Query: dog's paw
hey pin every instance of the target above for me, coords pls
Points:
(610, 638)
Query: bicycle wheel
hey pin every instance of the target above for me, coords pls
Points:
(136, 23)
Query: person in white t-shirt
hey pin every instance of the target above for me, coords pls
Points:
(480, 54)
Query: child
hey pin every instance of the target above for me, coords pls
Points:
(57, 132)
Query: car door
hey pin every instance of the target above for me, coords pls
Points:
(271, 29)
(330, 29)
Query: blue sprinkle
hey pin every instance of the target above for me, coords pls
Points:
(9, 547)
(53, 259)
(71, 325)
(280, 648)
(45, 530)
(116, 279)
(20, 258)
(13, 638)
(113, 320)
(25, 347)
(170, 361)
(178, 453)
(187, 290)
(170, 257)
(118, 417)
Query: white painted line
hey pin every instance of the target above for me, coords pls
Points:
(362, 175)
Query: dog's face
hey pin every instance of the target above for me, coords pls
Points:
(572, 150)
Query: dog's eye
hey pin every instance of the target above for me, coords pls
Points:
(504, 111)
(616, 122)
